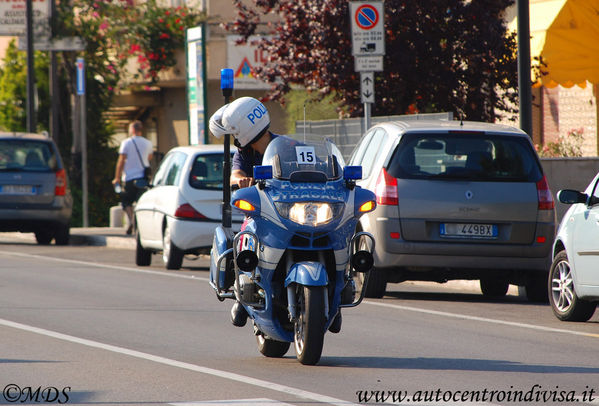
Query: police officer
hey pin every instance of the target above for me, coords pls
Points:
(248, 121)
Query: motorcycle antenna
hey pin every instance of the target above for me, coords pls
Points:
(304, 121)
(226, 85)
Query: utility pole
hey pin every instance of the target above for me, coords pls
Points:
(524, 84)
(31, 124)
(54, 92)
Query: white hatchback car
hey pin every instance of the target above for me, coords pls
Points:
(180, 211)
(573, 284)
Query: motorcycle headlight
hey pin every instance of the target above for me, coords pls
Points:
(309, 213)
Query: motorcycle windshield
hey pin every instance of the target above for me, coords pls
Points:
(303, 161)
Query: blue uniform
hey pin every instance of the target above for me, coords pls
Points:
(246, 159)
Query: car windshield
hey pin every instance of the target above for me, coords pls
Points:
(309, 160)
(480, 157)
(25, 155)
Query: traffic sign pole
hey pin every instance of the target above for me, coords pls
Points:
(368, 47)
(80, 66)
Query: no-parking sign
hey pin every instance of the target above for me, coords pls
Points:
(368, 28)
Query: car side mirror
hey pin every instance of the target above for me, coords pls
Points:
(569, 196)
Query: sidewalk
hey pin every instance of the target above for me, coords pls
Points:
(113, 237)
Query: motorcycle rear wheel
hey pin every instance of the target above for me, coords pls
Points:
(310, 324)
(272, 348)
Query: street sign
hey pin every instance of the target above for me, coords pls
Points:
(367, 87)
(56, 44)
(368, 28)
(368, 63)
(13, 18)
(80, 64)
(243, 59)
(196, 85)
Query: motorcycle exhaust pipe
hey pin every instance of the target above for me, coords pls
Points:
(362, 261)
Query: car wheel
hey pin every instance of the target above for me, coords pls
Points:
(536, 289)
(171, 254)
(62, 234)
(566, 305)
(43, 237)
(377, 283)
(493, 287)
(143, 257)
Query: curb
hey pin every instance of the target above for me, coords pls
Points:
(82, 237)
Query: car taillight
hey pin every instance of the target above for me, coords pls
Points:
(544, 193)
(188, 212)
(386, 189)
(61, 183)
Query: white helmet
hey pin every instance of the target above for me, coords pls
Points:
(245, 118)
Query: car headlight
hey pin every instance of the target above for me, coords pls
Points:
(309, 213)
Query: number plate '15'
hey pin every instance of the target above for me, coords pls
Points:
(305, 155)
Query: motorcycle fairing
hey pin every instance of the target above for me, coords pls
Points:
(219, 246)
(308, 273)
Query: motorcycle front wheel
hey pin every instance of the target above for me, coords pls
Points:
(310, 324)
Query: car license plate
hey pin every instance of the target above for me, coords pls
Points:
(468, 230)
(17, 190)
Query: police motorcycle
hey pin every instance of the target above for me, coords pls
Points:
(293, 264)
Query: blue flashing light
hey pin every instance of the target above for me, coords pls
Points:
(262, 172)
(352, 172)
(226, 78)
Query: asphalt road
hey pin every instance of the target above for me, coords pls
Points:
(84, 325)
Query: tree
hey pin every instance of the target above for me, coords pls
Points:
(13, 88)
(441, 55)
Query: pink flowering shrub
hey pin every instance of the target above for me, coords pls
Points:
(565, 146)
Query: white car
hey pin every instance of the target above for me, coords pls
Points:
(183, 206)
(573, 284)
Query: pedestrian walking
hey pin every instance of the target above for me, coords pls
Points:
(135, 154)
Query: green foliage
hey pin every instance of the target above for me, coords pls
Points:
(316, 109)
(13, 90)
(121, 31)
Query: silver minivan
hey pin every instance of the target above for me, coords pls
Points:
(34, 192)
(456, 200)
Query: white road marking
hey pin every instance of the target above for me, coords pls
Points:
(481, 319)
(266, 385)
(235, 402)
(106, 266)
(380, 304)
